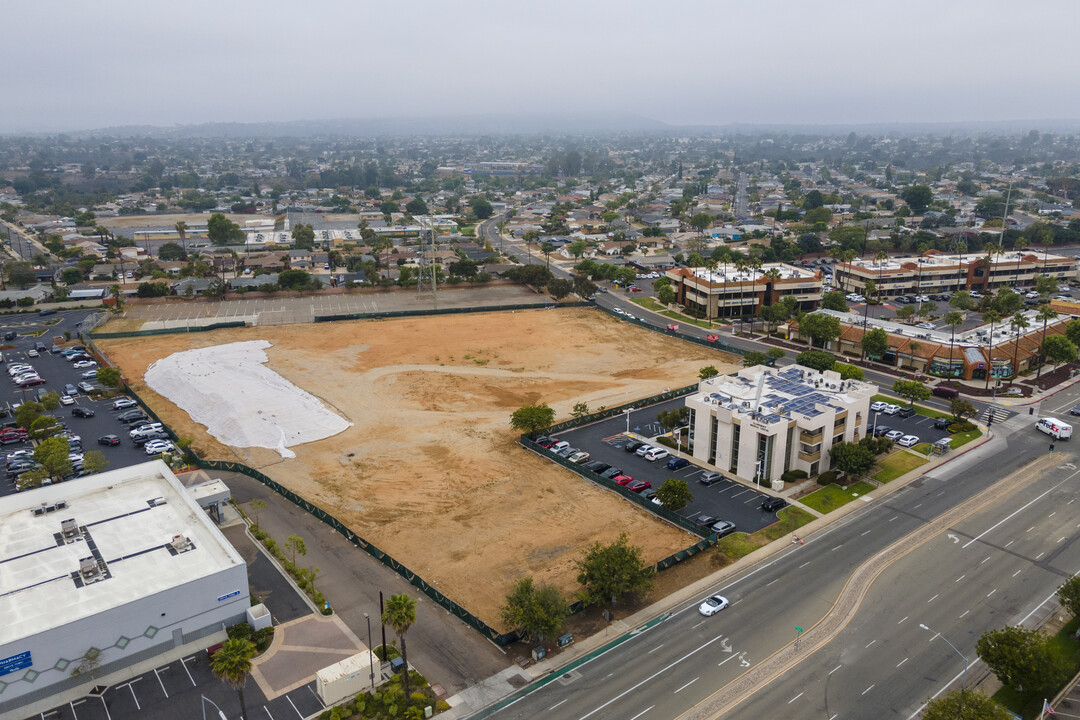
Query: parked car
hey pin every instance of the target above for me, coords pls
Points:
(146, 437)
(708, 478)
(906, 412)
(622, 479)
(132, 416)
(31, 353)
(82, 412)
(640, 452)
(655, 454)
(548, 443)
(156, 447)
(109, 440)
(30, 381)
(908, 441)
(894, 435)
(633, 446)
(86, 387)
(567, 451)
(891, 409)
(772, 504)
(880, 430)
(722, 528)
(70, 389)
(638, 485)
(559, 446)
(713, 605)
(611, 473)
(579, 457)
(67, 400)
(123, 403)
(597, 466)
(677, 463)
(878, 406)
(943, 423)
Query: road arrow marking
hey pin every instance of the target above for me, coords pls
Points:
(953, 538)
(725, 645)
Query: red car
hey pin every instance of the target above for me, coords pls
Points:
(548, 444)
(12, 435)
(623, 479)
(639, 485)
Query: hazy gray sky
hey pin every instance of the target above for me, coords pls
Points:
(119, 62)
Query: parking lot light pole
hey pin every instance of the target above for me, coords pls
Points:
(371, 663)
(627, 411)
(963, 679)
(205, 700)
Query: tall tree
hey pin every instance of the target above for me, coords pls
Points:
(608, 573)
(1021, 659)
(400, 614)
(992, 317)
(181, 230)
(530, 418)
(875, 343)
(232, 665)
(1046, 314)
(965, 704)
(952, 319)
(536, 611)
(1019, 324)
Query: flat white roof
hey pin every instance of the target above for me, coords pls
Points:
(730, 274)
(126, 518)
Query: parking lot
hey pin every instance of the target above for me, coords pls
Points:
(918, 425)
(723, 500)
(175, 691)
(58, 372)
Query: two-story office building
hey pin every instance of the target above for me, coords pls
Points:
(727, 291)
(762, 421)
(936, 272)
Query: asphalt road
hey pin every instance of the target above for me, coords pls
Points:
(664, 671)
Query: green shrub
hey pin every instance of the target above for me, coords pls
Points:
(794, 475)
(962, 426)
(240, 630)
(827, 478)
(263, 638)
(441, 706)
(665, 441)
(387, 653)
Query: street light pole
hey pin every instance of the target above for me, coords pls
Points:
(205, 700)
(963, 679)
(627, 411)
(371, 663)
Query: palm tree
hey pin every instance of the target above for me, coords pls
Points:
(741, 266)
(400, 614)
(880, 259)
(1046, 315)
(1019, 323)
(755, 265)
(771, 275)
(181, 230)
(546, 248)
(1019, 245)
(952, 319)
(991, 316)
(232, 665)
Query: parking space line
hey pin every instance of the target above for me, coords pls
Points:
(158, 675)
(294, 707)
(183, 664)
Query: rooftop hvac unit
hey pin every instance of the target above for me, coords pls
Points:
(69, 527)
(39, 511)
(180, 543)
(61, 504)
(88, 567)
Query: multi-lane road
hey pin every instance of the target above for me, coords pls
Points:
(998, 565)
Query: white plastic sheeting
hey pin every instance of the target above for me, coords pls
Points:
(242, 402)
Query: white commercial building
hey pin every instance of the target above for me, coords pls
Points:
(762, 422)
(104, 572)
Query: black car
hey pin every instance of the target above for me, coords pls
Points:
(906, 411)
(131, 417)
(597, 466)
(632, 446)
(705, 520)
(944, 423)
(772, 504)
(611, 472)
(677, 463)
(141, 440)
(880, 430)
(81, 412)
(1075, 410)
(109, 440)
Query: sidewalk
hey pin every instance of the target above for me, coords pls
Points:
(481, 700)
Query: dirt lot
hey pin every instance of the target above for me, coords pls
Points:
(430, 470)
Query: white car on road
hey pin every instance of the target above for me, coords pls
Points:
(713, 605)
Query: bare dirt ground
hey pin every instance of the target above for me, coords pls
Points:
(168, 221)
(430, 471)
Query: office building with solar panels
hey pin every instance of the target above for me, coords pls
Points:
(762, 421)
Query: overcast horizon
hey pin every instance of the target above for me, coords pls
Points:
(691, 62)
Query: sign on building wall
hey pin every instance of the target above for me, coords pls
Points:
(15, 662)
(233, 594)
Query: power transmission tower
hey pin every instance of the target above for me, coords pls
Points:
(425, 279)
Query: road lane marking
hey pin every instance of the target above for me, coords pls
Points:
(867, 689)
(699, 624)
(964, 613)
(932, 599)
(1010, 543)
(1018, 572)
(183, 664)
(1019, 510)
(901, 662)
(835, 669)
(161, 683)
(794, 698)
(773, 582)
(643, 712)
(960, 578)
(1061, 538)
(1052, 514)
(648, 679)
(1030, 529)
(837, 547)
(656, 648)
(991, 592)
(804, 565)
(688, 684)
(557, 704)
(1040, 555)
(870, 643)
(724, 661)
(902, 620)
(917, 506)
(987, 558)
(865, 533)
(893, 518)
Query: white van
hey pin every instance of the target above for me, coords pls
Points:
(1055, 428)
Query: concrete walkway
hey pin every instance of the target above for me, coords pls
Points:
(300, 649)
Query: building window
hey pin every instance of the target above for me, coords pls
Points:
(736, 433)
(764, 455)
(713, 435)
(838, 439)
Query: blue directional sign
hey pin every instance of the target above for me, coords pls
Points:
(233, 594)
(15, 662)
